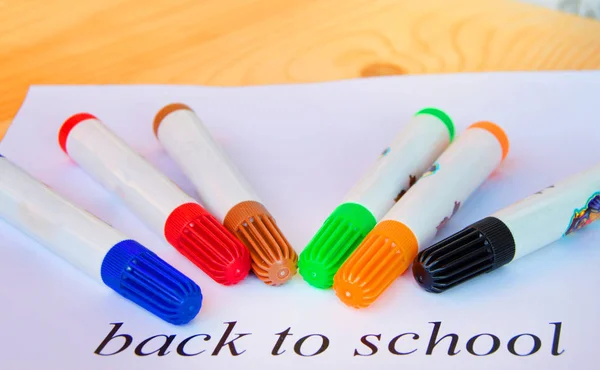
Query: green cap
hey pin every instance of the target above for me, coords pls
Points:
(335, 241)
(442, 117)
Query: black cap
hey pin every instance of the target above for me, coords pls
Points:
(482, 247)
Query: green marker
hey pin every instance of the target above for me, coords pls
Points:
(411, 154)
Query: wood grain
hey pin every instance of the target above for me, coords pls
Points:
(243, 42)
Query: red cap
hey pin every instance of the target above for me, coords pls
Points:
(68, 125)
(197, 235)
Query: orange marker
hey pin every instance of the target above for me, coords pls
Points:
(388, 250)
(225, 192)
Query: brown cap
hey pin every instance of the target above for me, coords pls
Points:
(273, 259)
(165, 111)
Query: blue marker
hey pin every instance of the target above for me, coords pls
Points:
(94, 247)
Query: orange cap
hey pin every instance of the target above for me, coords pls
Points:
(273, 259)
(497, 131)
(387, 251)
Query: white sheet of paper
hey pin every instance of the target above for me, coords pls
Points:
(302, 147)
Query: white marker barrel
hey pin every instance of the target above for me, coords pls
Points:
(511, 233)
(95, 248)
(546, 216)
(75, 235)
(146, 191)
(410, 154)
(155, 199)
(388, 250)
(218, 182)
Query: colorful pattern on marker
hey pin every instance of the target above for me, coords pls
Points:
(432, 170)
(447, 219)
(586, 215)
(411, 181)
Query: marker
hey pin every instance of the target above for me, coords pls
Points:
(411, 153)
(511, 233)
(226, 192)
(388, 250)
(155, 199)
(95, 248)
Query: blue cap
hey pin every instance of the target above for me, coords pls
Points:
(1, 156)
(139, 275)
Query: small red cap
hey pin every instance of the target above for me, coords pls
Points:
(66, 127)
(197, 235)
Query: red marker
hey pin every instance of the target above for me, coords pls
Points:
(155, 199)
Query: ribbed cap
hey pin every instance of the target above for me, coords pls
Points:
(385, 254)
(197, 235)
(339, 236)
(273, 259)
(477, 249)
(141, 276)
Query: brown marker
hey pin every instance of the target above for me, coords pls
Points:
(225, 192)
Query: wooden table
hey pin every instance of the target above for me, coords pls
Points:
(244, 42)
